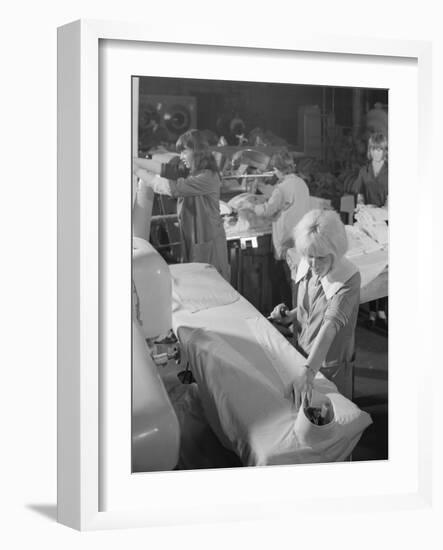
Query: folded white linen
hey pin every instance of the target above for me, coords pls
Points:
(374, 222)
(247, 221)
(199, 286)
(359, 242)
(371, 265)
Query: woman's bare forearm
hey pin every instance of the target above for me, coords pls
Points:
(321, 345)
(150, 165)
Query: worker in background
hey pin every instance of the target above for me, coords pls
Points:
(327, 299)
(371, 187)
(237, 130)
(288, 202)
(198, 192)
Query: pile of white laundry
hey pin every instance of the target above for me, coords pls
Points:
(373, 221)
(359, 242)
(239, 216)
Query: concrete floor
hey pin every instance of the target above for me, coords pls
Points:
(371, 391)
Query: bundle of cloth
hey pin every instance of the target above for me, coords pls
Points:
(368, 250)
(360, 242)
(242, 218)
(373, 221)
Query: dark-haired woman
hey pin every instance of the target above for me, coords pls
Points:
(198, 199)
(371, 187)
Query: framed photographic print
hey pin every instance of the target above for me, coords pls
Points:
(176, 393)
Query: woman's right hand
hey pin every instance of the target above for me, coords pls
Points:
(303, 386)
(279, 313)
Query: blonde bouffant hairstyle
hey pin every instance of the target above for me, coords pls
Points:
(321, 232)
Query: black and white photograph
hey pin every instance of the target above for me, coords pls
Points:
(260, 260)
(221, 275)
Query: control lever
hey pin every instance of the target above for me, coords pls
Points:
(162, 359)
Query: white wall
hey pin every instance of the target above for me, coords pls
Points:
(28, 273)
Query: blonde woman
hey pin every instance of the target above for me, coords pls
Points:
(327, 297)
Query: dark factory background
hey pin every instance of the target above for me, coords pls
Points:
(276, 108)
(325, 128)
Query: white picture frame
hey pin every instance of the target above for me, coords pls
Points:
(80, 295)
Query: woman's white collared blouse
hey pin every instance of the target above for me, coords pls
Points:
(334, 297)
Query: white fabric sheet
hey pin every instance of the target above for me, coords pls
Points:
(243, 367)
(247, 220)
(288, 365)
(374, 222)
(378, 288)
(196, 287)
(359, 242)
(370, 265)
